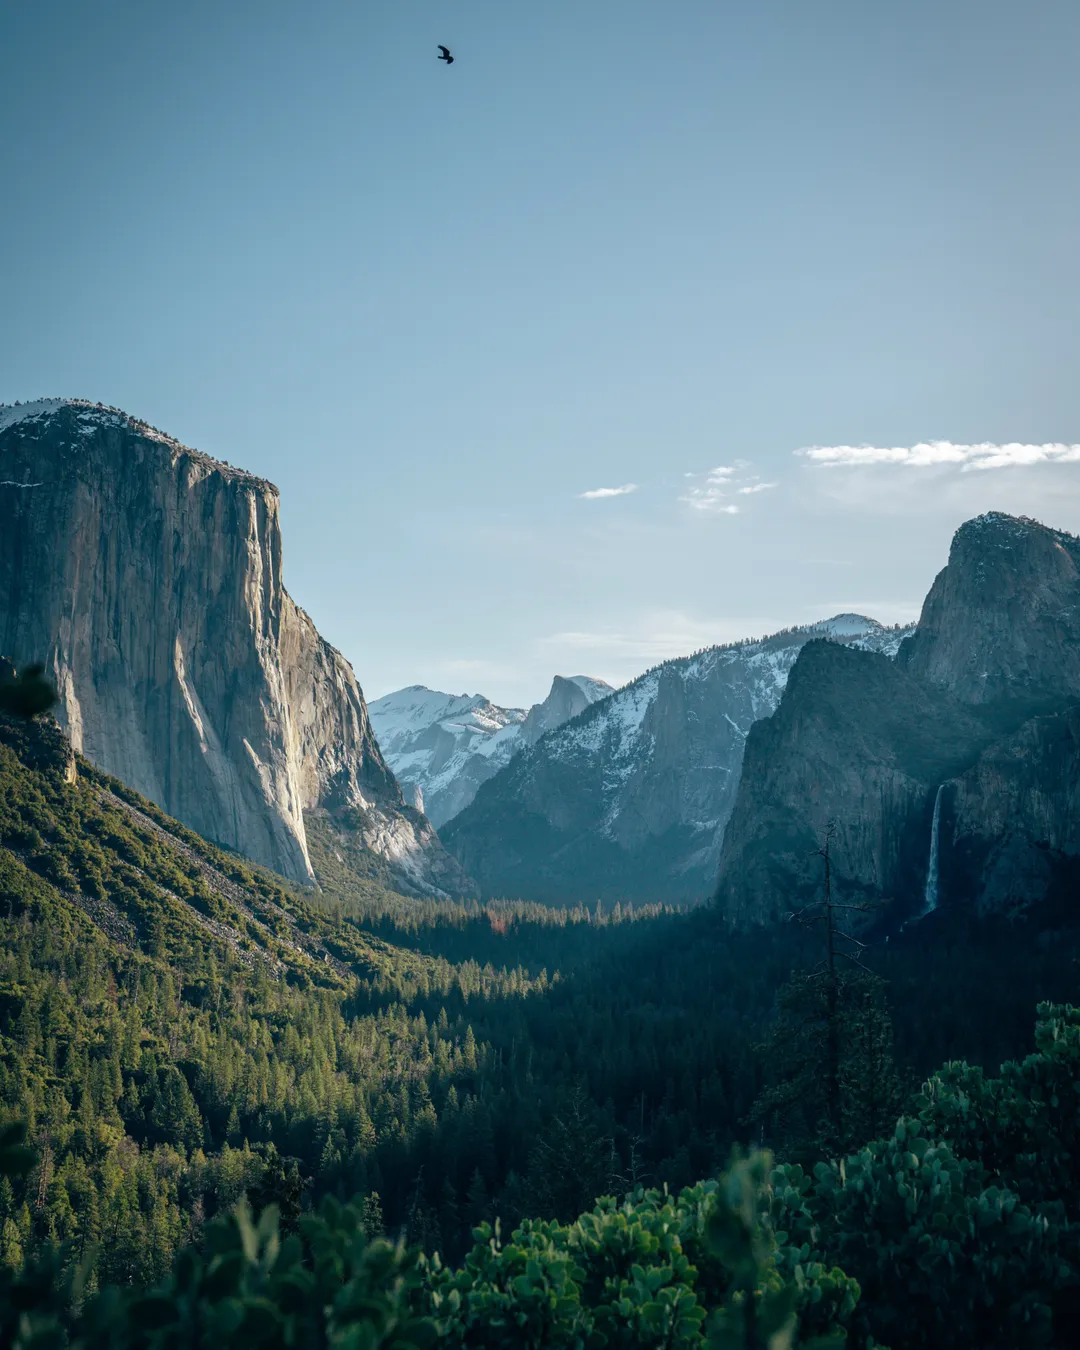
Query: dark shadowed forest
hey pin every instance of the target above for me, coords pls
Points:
(180, 1032)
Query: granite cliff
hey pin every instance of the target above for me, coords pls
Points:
(148, 577)
(1001, 622)
(980, 707)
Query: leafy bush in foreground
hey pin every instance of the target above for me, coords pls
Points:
(701, 1269)
(955, 1230)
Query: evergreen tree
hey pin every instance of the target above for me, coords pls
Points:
(827, 1058)
(571, 1164)
(372, 1217)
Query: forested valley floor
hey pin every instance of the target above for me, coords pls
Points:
(179, 1030)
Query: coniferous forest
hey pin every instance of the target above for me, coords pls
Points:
(244, 1113)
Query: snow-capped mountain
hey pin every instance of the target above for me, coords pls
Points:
(629, 799)
(441, 747)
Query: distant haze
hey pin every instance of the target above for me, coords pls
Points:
(531, 343)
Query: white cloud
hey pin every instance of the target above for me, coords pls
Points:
(719, 484)
(927, 454)
(609, 492)
(755, 487)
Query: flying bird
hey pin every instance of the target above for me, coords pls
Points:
(444, 55)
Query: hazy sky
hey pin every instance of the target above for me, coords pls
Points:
(616, 244)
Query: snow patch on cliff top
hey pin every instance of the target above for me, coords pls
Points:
(846, 625)
(90, 416)
(592, 688)
(407, 713)
(10, 413)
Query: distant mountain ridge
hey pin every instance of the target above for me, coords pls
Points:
(443, 746)
(148, 577)
(628, 800)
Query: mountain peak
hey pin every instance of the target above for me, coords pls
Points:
(80, 418)
(446, 745)
(629, 799)
(846, 625)
(1001, 622)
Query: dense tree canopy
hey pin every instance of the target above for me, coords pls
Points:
(180, 1031)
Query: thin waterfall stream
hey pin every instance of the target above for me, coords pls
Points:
(930, 895)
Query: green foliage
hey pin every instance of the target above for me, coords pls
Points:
(657, 1270)
(961, 1227)
(655, 1273)
(181, 1030)
(1024, 1123)
(793, 1111)
(938, 1255)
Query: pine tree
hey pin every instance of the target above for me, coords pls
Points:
(830, 1078)
(570, 1165)
(477, 1202)
(372, 1217)
(11, 1248)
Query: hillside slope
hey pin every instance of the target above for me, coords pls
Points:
(178, 1027)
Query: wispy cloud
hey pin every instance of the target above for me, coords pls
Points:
(621, 653)
(720, 485)
(712, 496)
(928, 454)
(608, 492)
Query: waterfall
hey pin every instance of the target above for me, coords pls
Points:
(930, 896)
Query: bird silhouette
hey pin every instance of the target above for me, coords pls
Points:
(445, 55)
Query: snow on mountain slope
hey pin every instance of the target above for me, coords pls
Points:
(445, 745)
(629, 799)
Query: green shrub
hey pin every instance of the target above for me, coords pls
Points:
(702, 1268)
(940, 1256)
(620, 1276)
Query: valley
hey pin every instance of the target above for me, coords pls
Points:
(539, 676)
(467, 963)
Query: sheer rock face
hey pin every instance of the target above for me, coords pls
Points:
(998, 640)
(567, 698)
(1011, 823)
(148, 577)
(858, 740)
(1001, 623)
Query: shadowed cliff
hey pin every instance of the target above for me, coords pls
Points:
(981, 702)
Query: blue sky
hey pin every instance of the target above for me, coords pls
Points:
(616, 243)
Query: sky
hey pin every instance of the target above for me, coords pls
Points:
(536, 345)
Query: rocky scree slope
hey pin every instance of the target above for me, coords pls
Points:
(998, 641)
(148, 577)
(443, 746)
(628, 800)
